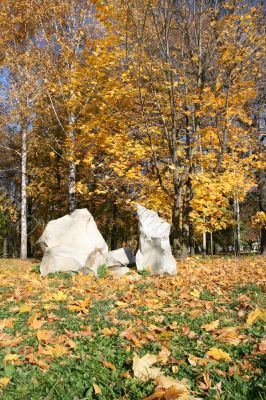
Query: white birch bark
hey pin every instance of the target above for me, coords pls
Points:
(23, 230)
(237, 237)
(72, 167)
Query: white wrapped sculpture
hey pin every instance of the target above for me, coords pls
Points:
(154, 245)
(72, 243)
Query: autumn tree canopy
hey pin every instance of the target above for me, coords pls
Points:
(109, 103)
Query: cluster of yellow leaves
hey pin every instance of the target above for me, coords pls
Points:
(259, 219)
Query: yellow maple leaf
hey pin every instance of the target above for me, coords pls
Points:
(219, 354)
(109, 331)
(44, 335)
(212, 326)
(59, 296)
(25, 308)
(11, 357)
(4, 381)
(253, 316)
(55, 351)
(195, 293)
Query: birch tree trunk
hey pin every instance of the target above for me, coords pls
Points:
(237, 227)
(262, 206)
(5, 248)
(72, 167)
(23, 230)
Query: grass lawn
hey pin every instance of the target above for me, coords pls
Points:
(75, 337)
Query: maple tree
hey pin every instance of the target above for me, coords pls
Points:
(156, 102)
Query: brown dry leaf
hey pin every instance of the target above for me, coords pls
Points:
(212, 326)
(195, 313)
(262, 346)
(109, 365)
(70, 343)
(97, 389)
(164, 355)
(172, 388)
(219, 354)
(32, 359)
(206, 385)
(6, 323)
(142, 367)
(4, 381)
(229, 335)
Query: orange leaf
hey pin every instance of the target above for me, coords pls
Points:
(43, 335)
(109, 365)
(109, 331)
(4, 381)
(54, 351)
(97, 389)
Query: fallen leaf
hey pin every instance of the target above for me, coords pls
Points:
(254, 315)
(53, 351)
(97, 389)
(262, 346)
(11, 357)
(36, 323)
(109, 331)
(218, 354)
(43, 335)
(195, 293)
(109, 365)
(4, 381)
(59, 296)
(33, 359)
(25, 308)
(142, 367)
(164, 355)
(6, 323)
(212, 326)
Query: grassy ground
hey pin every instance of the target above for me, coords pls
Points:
(73, 337)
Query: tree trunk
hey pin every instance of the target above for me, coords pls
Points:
(263, 242)
(236, 227)
(23, 231)
(204, 243)
(262, 206)
(114, 228)
(72, 168)
(177, 234)
(211, 244)
(5, 248)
